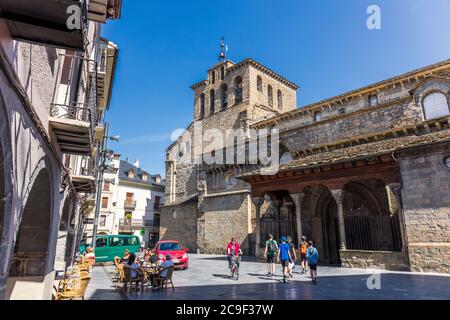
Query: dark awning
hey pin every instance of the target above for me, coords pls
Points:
(42, 22)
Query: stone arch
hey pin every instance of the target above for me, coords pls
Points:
(63, 234)
(31, 247)
(326, 232)
(6, 189)
(364, 195)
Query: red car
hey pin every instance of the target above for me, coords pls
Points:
(176, 251)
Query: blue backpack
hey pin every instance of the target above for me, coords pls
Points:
(312, 255)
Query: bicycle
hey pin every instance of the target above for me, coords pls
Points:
(235, 261)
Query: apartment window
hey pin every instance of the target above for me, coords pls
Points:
(270, 95)
(212, 99)
(317, 116)
(259, 83)
(144, 177)
(435, 105)
(280, 99)
(373, 100)
(131, 174)
(224, 96)
(102, 221)
(67, 161)
(129, 197)
(106, 186)
(238, 90)
(157, 202)
(202, 105)
(105, 202)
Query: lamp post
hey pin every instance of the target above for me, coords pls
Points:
(104, 155)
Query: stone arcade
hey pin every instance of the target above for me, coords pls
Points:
(366, 174)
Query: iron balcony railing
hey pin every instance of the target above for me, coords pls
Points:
(152, 223)
(129, 204)
(131, 222)
(75, 91)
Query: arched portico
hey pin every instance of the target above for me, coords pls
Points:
(28, 265)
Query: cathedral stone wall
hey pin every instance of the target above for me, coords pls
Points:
(426, 202)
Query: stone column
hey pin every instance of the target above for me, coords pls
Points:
(338, 196)
(258, 201)
(298, 200)
(397, 192)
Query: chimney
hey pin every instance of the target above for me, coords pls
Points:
(136, 163)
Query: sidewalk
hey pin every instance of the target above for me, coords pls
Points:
(208, 279)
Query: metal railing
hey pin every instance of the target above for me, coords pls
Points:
(152, 223)
(129, 204)
(75, 90)
(131, 222)
(73, 112)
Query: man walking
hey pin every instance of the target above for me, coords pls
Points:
(284, 256)
(269, 252)
(303, 251)
(313, 257)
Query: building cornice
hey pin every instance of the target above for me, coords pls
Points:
(423, 73)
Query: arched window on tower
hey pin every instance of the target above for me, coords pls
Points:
(222, 72)
(224, 96)
(373, 100)
(202, 105)
(270, 95)
(317, 116)
(212, 100)
(213, 77)
(238, 90)
(280, 99)
(435, 105)
(259, 83)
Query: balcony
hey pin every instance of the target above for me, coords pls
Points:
(151, 223)
(105, 57)
(129, 204)
(46, 22)
(73, 113)
(101, 10)
(83, 173)
(130, 225)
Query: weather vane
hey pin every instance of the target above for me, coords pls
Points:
(223, 50)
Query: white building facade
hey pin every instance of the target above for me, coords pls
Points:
(131, 201)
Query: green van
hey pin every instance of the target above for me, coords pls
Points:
(112, 246)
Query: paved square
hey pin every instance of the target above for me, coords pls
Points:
(208, 279)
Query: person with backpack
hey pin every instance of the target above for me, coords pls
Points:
(293, 255)
(270, 252)
(303, 250)
(284, 256)
(312, 255)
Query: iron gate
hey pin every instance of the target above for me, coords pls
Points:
(375, 233)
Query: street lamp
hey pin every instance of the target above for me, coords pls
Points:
(106, 155)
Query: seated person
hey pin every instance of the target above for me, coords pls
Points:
(133, 265)
(89, 255)
(164, 268)
(153, 258)
(126, 256)
(165, 265)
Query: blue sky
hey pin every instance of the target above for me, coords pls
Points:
(323, 46)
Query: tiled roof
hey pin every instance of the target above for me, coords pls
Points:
(360, 151)
(126, 167)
